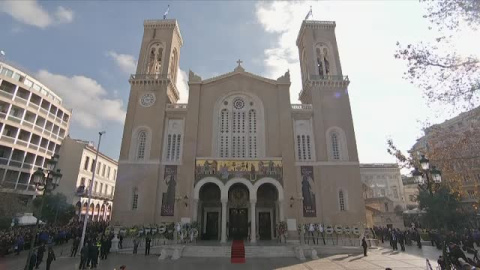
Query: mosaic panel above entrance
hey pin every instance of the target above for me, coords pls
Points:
(225, 170)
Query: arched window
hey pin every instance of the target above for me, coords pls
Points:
(304, 140)
(335, 146)
(135, 198)
(141, 144)
(154, 60)
(322, 60)
(174, 66)
(341, 200)
(238, 128)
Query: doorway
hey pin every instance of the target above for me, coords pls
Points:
(238, 223)
(212, 226)
(264, 226)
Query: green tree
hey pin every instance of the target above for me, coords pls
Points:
(10, 204)
(56, 209)
(445, 75)
(443, 209)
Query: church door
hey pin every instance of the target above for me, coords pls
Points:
(212, 226)
(238, 223)
(264, 226)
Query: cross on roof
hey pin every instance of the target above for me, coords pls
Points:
(239, 62)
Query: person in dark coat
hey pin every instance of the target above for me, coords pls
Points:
(50, 257)
(147, 245)
(33, 261)
(84, 256)
(401, 240)
(92, 252)
(76, 243)
(365, 246)
(394, 240)
(40, 252)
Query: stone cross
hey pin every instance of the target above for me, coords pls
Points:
(239, 62)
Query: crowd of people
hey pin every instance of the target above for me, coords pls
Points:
(455, 244)
(17, 239)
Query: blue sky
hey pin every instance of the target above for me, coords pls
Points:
(85, 52)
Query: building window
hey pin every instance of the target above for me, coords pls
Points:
(335, 146)
(238, 129)
(304, 147)
(82, 181)
(173, 141)
(386, 207)
(114, 174)
(98, 168)
(101, 188)
(395, 192)
(85, 165)
(135, 199)
(92, 168)
(108, 172)
(341, 200)
(95, 186)
(103, 170)
(141, 143)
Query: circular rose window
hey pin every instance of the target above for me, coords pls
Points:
(238, 103)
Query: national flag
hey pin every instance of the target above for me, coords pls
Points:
(166, 12)
(309, 14)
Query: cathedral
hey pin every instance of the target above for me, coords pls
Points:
(239, 158)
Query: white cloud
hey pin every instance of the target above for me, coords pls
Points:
(64, 15)
(383, 104)
(182, 86)
(88, 99)
(125, 62)
(32, 13)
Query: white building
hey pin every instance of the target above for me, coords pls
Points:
(383, 180)
(33, 123)
(77, 163)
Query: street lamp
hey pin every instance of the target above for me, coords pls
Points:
(431, 175)
(90, 188)
(46, 181)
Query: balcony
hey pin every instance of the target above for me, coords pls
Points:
(6, 94)
(328, 78)
(302, 107)
(177, 107)
(134, 77)
(83, 192)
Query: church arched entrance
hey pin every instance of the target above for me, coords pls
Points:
(210, 211)
(267, 201)
(238, 204)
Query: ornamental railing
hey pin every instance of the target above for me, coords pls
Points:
(302, 107)
(149, 76)
(177, 106)
(313, 77)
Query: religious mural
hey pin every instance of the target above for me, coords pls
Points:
(225, 170)
(309, 208)
(168, 198)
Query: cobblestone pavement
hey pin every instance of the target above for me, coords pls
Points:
(377, 259)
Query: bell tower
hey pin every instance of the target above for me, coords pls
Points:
(152, 90)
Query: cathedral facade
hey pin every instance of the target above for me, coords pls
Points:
(239, 157)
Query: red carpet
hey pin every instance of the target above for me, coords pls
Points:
(238, 252)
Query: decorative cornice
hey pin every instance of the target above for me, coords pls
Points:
(166, 24)
(314, 25)
(280, 81)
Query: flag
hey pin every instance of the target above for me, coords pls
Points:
(166, 12)
(309, 14)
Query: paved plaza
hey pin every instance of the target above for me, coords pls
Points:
(377, 259)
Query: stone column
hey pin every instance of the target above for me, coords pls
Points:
(195, 209)
(223, 239)
(253, 231)
(280, 210)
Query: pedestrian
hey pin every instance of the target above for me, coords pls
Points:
(147, 245)
(50, 257)
(84, 256)
(120, 242)
(364, 245)
(419, 239)
(40, 253)
(394, 240)
(33, 261)
(76, 243)
(401, 240)
(135, 245)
